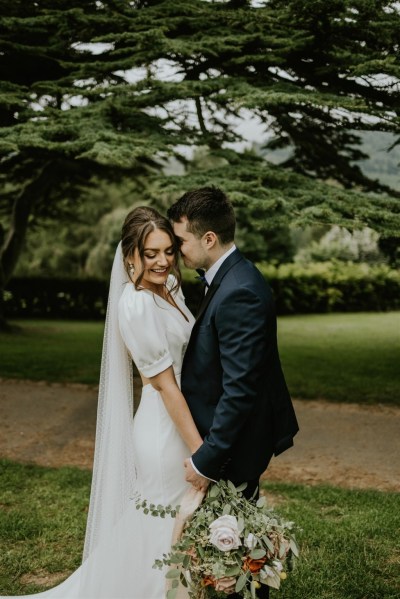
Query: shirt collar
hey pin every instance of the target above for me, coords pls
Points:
(212, 271)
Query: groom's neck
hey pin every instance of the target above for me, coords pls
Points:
(217, 253)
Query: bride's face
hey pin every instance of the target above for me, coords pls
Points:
(158, 259)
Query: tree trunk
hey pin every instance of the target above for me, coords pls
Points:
(4, 326)
(12, 245)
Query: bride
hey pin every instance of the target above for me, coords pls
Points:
(149, 323)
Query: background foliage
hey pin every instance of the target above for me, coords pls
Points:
(100, 91)
(298, 289)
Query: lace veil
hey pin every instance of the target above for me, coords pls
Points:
(114, 474)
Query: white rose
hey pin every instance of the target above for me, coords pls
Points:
(277, 565)
(225, 533)
(250, 541)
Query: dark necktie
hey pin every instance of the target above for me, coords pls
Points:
(201, 276)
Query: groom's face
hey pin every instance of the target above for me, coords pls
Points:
(193, 250)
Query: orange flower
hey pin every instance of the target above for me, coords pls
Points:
(254, 565)
(208, 581)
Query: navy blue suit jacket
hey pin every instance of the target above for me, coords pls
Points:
(232, 377)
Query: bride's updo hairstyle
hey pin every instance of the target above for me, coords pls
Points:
(137, 225)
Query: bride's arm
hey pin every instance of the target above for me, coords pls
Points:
(165, 383)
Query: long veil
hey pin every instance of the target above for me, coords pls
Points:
(114, 474)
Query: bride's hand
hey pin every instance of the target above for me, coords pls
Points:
(199, 482)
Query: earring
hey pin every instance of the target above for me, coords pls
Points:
(131, 269)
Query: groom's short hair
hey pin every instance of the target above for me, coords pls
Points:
(206, 209)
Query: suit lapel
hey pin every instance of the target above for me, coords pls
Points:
(216, 282)
(207, 299)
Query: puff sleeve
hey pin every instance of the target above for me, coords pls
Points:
(143, 332)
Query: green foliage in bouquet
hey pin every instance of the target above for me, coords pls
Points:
(230, 541)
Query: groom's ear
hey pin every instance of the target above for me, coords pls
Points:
(210, 239)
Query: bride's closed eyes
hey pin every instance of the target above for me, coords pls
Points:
(169, 252)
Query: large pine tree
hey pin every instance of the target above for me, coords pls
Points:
(82, 95)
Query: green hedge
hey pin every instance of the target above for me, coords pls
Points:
(56, 298)
(298, 289)
(333, 287)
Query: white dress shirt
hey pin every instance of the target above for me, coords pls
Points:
(209, 276)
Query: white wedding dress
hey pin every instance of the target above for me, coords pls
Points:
(141, 455)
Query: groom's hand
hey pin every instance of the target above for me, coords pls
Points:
(199, 482)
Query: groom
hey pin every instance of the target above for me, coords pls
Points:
(231, 374)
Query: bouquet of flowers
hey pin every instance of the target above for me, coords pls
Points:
(230, 543)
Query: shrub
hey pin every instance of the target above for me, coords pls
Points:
(298, 289)
(56, 298)
(333, 287)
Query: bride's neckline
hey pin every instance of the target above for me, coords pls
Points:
(171, 303)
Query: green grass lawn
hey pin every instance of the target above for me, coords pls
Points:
(348, 539)
(63, 351)
(340, 357)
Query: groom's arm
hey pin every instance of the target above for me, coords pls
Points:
(241, 327)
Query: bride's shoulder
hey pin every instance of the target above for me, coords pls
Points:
(134, 303)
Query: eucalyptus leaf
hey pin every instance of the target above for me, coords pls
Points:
(268, 543)
(241, 487)
(177, 558)
(261, 502)
(227, 510)
(240, 583)
(233, 571)
(294, 547)
(240, 524)
(172, 593)
(257, 553)
(274, 581)
(175, 573)
(232, 487)
(214, 491)
(282, 550)
(253, 589)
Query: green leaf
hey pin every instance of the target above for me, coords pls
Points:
(172, 593)
(175, 583)
(227, 509)
(282, 550)
(233, 571)
(261, 502)
(240, 523)
(268, 543)
(294, 547)
(175, 573)
(241, 487)
(177, 558)
(257, 553)
(274, 581)
(214, 491)
(232, 487)
(253, 589)
(240, 583)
